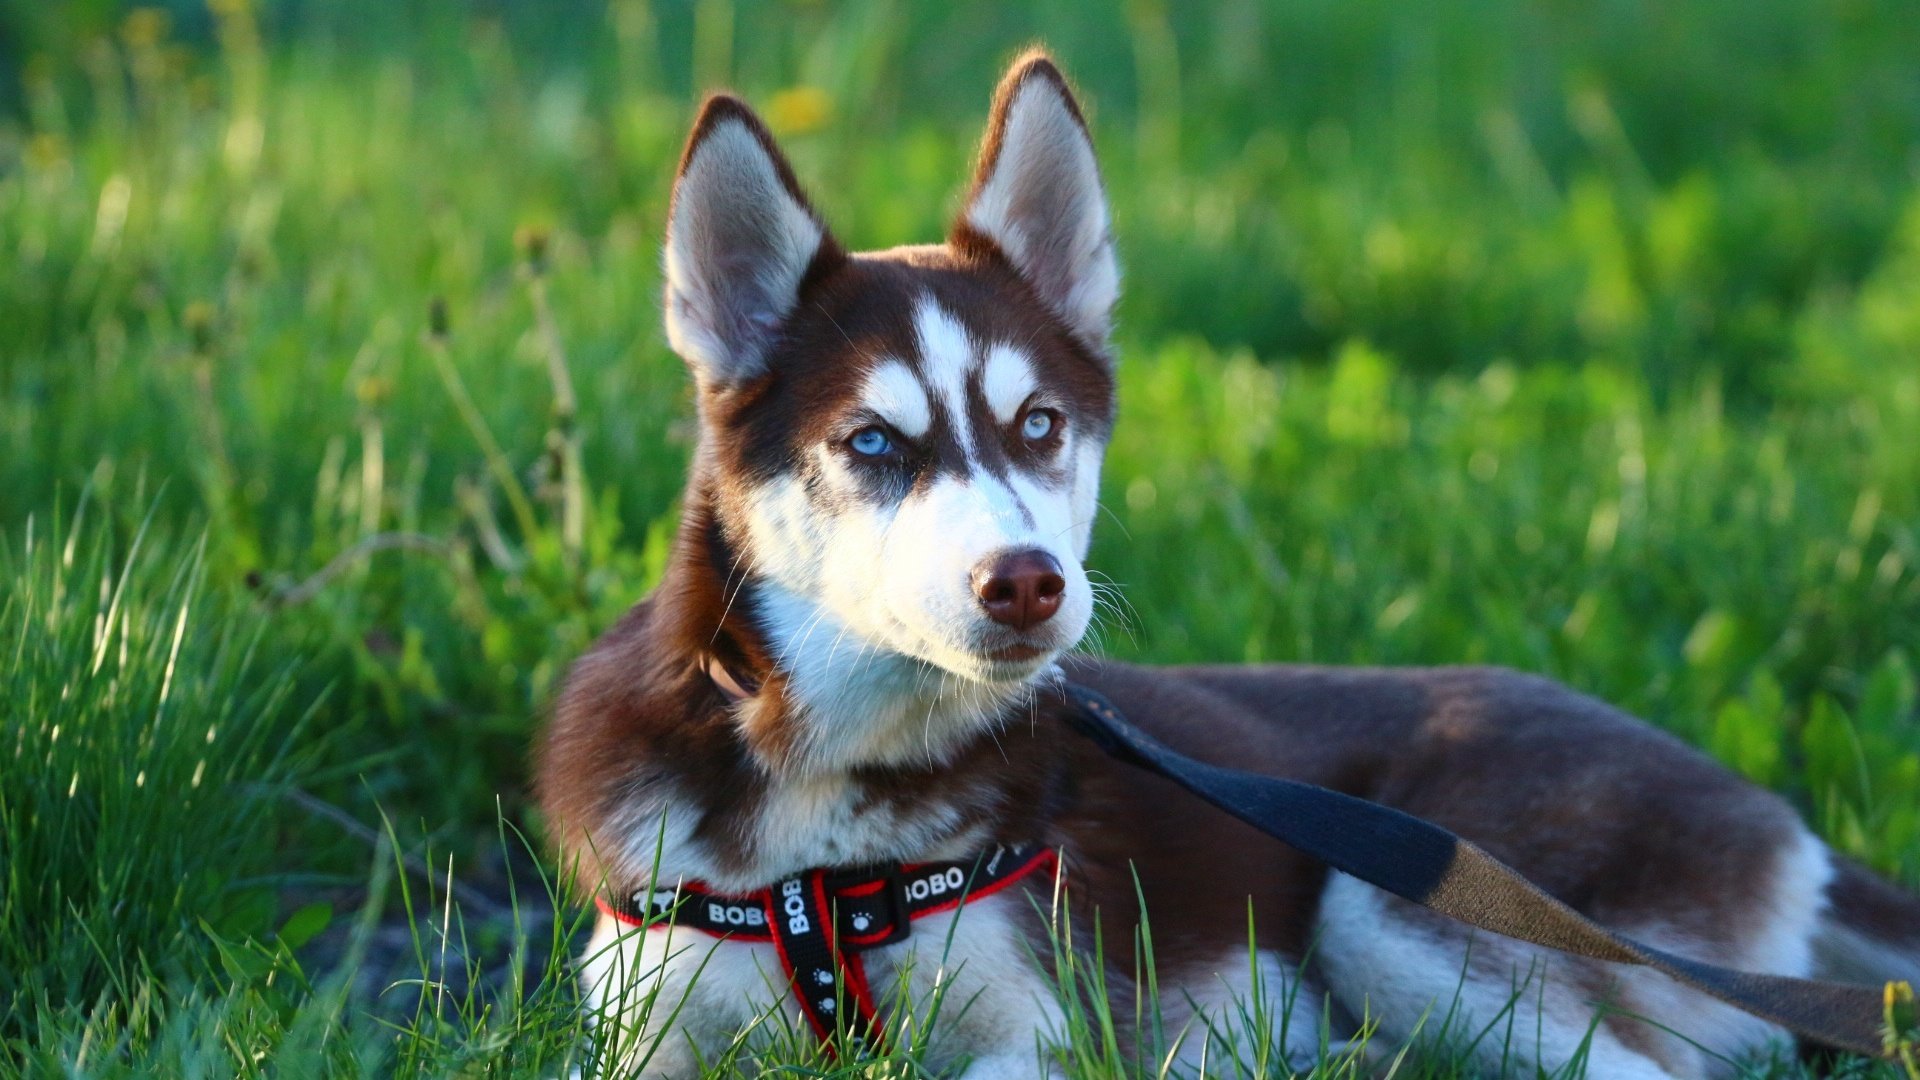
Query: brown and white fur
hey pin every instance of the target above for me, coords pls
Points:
(907, 615)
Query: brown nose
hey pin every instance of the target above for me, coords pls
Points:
(1020, 589)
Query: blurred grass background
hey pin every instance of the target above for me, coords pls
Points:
(1583, 338)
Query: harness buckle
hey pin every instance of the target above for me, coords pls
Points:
(895, 891)
(870, 907)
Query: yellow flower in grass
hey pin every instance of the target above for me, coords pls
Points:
(1903, 1027)
(799, 110)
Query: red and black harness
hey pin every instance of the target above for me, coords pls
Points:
(822, 920)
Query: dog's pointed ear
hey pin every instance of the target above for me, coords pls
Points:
(741, 238)
(1037, 198)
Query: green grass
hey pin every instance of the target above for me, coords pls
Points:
(1576, 338)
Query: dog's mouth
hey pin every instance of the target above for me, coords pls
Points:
(1000, 661)
(1017, 657)
(1018, 653)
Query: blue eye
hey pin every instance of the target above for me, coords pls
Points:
(1038, 424)
(870, 441)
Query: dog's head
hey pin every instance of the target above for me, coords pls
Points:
(904, 447)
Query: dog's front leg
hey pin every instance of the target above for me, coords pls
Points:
(975, 981)
(666, 999)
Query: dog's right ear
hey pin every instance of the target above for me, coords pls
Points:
(741, 238)
(1037, 199)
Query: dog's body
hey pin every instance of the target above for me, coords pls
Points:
(882, 539)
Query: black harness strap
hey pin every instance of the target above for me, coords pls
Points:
(830, 986)
(1432, 867)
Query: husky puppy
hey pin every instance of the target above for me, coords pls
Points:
(854, 661)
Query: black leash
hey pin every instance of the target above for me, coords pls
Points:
(1424, 863)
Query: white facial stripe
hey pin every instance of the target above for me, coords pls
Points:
(946, 356)
(1010, 511)
(897, 397)
(1086, 456)
(1007, 381)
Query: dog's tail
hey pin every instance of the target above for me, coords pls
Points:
(1870, 932)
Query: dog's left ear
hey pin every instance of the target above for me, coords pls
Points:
(741, 239)
(1037, 199)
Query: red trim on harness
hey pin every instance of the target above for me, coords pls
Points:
(818, 882)
(820, 1030)
(1044, 855)
(856, 983)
